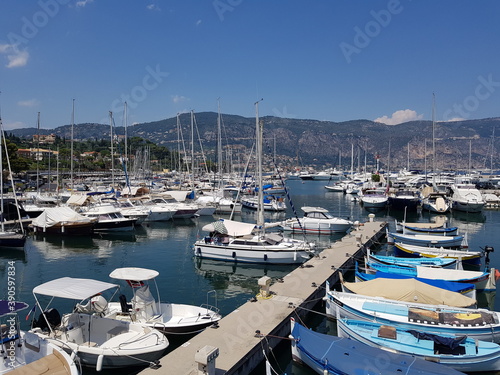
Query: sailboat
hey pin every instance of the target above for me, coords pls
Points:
(8, 238)
(249, 243)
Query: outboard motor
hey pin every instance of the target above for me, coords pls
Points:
(487, 251)
(53, 317)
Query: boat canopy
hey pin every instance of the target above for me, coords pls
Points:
(78, 199)
(73, 288)
(233, 228)
(133, 273)
(54, 215)
(409, 290)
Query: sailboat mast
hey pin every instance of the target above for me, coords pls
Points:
(433, 140)
(192, 149)
(2, 218)
(260, 196)
(37, 154)
(72, 139)
(219, 146)
(112, 151)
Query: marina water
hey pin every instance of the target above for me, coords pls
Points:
(167, 248)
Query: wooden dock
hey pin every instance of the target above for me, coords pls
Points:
(240, 349)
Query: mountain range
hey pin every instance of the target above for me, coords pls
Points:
(301, 142)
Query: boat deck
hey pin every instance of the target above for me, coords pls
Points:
(240, 348)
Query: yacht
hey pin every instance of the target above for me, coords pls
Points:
(466, 197)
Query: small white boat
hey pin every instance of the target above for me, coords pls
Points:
(24, 352)
(145, 309)
(466, 197)
(100, 343)
(317, 220)
(374, 198)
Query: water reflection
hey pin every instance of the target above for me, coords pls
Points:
(232, 278)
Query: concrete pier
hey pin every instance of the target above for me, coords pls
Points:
(240, 350)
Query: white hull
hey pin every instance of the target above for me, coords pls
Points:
(249, 254)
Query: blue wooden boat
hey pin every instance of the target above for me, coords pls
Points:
(458, 352)
(466, 289)
(425, 239)
(480, 324)
(481, 280)
(392, 260)
(413, 251)
(327, 354)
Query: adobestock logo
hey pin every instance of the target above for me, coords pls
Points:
(482, 92)
(32, 25)
(151, 81)
(223, 6)
(363, 36)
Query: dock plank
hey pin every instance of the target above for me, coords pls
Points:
(240, 350)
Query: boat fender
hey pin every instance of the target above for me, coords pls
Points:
(265, 256)
(234, 255)
(198, 251)
(98, 365)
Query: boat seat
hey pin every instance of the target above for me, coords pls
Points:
(52, 364)
(387, 332)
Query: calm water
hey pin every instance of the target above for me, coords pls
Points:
(167, 248)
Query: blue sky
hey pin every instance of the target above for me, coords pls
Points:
(331, 60)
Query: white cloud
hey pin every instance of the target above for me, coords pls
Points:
(13, 125)
(28, 103)
(179, 99)
(83, 3)
(455, 119)
(153, 7)
(198, 23)
(15, 56)
(399, 117)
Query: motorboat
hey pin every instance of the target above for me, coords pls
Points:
(156, 212)
(327, 354)
(270, 203)
(481, 324)
(317, 220)
(458, 352)
(109, 218)
(404, 199)
(235, 241)
(63, 221)
(436, 202)
(25, 352)
(182, 210)
(374, 198)
(100, 342)
(466, 197)
(143, 308)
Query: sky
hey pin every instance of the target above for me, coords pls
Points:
(334, 60)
